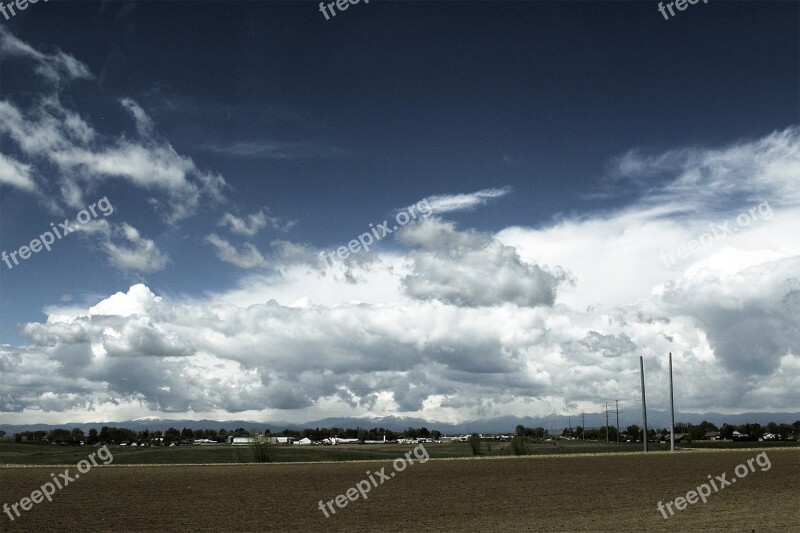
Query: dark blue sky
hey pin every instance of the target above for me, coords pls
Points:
(388, 103)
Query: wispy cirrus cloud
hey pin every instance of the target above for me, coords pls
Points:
(49, 135)
(16, 174)
(282, 254)
(447, 203)
(269, 149)
(125, 247)
(248, 257)
(687, 180)
(55, 67)
(254, 222)
(50, 132)
(144, 124)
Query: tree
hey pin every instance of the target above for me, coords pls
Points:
(699, 432)
(726, 431)
(519, 430)
(76, 436)
(634, 432)
(59, 436)
(171, 435)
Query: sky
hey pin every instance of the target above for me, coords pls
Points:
(445, 210)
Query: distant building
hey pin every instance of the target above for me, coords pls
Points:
(280, 440)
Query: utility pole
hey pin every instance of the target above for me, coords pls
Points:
(617, 404)
(583, 427)
(606, 422)
(644, 405)
(671, 409)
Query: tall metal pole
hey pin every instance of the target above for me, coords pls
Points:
(606, 422)
(671, 409)
(617, 403)
(644, 405)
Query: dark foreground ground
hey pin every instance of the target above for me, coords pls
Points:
(544, 493)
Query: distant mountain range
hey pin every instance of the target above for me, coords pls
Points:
(505, 424)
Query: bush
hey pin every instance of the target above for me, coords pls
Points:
(518, 445)
(261, 451)
(475, 444)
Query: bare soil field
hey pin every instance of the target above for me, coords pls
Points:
(616, 492)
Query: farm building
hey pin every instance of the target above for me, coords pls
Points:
(280, 440)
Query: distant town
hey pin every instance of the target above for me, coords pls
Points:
(684, 432)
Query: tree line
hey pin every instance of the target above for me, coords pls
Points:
(114, 435)
(749, 431)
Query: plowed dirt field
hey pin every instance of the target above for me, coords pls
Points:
(608, 492)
